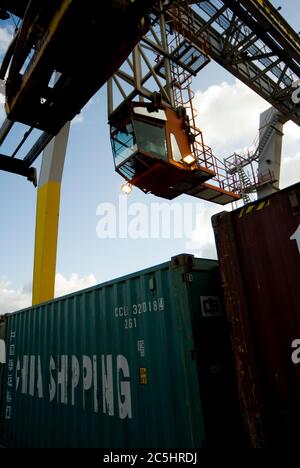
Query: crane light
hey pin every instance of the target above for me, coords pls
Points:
(189, 159)
(126, 188)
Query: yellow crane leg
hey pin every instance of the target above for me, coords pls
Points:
(47, 216)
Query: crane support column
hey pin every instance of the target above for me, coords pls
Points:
(270, 142)
(47, 215)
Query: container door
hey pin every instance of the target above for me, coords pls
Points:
(214, 360)
(258, 248)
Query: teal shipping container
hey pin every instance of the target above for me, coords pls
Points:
(141, 361)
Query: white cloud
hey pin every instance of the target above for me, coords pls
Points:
(15, 299)
(291, 133)
(11, 299)
(202, 242)
(228, 115)
(6, 35)
(73, 283)
(290, 170)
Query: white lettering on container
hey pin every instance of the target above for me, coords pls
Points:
(24, 374)
(40, 380)
(107, 385)
(52, 385)
(75, 378)
(31, 375)
(62, 379)
(95, 384)
(87, 376)
(296, 353)
(124, 394)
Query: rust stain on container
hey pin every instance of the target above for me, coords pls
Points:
(259, 260)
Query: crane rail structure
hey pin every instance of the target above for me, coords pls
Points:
(249, 38)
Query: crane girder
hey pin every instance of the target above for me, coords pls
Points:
(253, 42)
(17, 166)
(64, 36)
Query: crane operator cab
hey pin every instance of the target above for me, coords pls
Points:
(152, 150)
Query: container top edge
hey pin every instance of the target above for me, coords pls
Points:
(215, 217)
(116, 280)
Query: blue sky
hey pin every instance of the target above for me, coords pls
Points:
(89, 179)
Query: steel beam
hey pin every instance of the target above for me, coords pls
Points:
(255, 77)
(17, 166)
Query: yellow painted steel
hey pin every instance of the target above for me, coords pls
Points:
(241, 212)
(260, 206)
(250, 208)
(276, 17)
(46, 232)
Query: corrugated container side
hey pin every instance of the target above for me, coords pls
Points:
(116, 365)
(2, 359)
(258, 250)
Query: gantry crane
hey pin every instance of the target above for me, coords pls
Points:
(149, 57)
(249, 38)
(252, 41)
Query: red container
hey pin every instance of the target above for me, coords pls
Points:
(259, 256)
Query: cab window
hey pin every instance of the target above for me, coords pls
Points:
(123, 143)
(151, 138)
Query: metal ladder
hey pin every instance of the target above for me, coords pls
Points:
(270, 129)
(245, 182)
